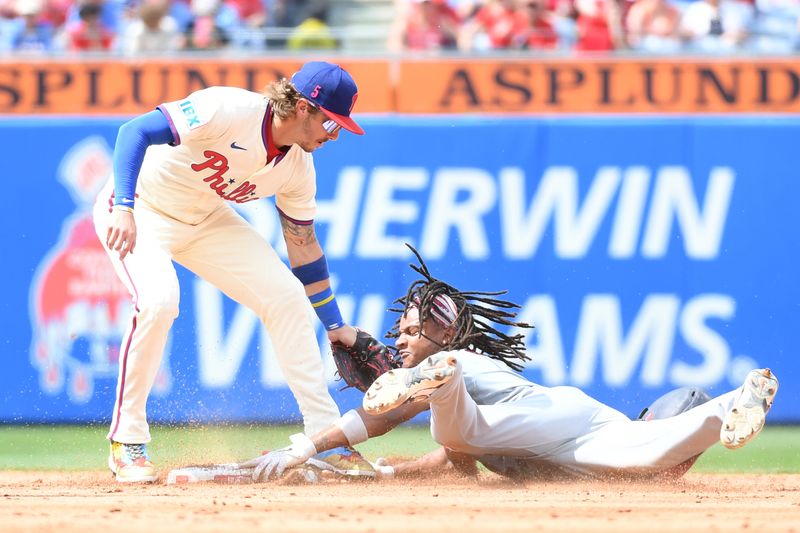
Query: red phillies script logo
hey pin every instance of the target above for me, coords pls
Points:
(244, 192)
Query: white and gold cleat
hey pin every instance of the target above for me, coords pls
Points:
(130, 463)
(746, 418)
(402, 385)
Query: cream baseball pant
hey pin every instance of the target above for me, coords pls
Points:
(226, 251)
(564, 428)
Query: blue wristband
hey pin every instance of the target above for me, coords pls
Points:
(324, 304)
(312, 272)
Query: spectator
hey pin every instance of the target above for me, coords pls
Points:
(253, 16)
(251, 13)
(213, 26)
(313, 33)
(154, 31)
(89, 34)
(55, 12)
(534, 29)
(181, 12)
(424, 25)
(111, 12)
(464, 9)
(653, 26)
(564, 15)
(716, 25)
(7, 16)
(28, 32)
(777, 26)
(491, 28)
(290, 13)
(599, 25)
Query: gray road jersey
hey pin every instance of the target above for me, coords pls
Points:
(525, 430)
(489, 381)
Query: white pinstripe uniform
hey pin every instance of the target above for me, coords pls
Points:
(183, 215)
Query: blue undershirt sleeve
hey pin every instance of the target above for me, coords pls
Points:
(132, 141)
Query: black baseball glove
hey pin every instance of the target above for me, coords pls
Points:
(362, 363)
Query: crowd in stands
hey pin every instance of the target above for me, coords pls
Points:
(148, 27)
(648, 26)
(160, 27)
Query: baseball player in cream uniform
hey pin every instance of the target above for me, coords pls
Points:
(177, 172)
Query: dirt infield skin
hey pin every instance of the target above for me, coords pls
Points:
(92, 501)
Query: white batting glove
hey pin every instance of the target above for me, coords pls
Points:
(383, 469)
(276, 462)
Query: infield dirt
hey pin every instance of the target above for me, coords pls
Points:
(92, 501)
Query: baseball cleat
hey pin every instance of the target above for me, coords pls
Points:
(746, 418)
(299, 476)
(402, 385)
(343, 461)
(130, 463)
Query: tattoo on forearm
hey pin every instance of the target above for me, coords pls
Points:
(299, 234)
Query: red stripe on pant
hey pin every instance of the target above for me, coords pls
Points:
(124, 363)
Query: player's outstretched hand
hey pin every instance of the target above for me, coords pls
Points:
(344, 335)
(382, 468)
(121, 236)
(273, 464)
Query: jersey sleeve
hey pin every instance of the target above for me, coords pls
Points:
(296, 200)
(201, 115)
(489, 381)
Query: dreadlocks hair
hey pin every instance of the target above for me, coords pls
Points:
(477, 311)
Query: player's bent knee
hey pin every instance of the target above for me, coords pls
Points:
(159, 309)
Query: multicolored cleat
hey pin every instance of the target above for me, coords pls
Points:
(401, 385)
(746, 418)
(130, 463)
(343, 461)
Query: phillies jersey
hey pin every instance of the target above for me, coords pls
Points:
(220, 154)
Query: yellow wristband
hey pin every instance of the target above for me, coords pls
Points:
(120, 207)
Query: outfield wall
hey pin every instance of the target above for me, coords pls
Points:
(650, 253)
(440, 85)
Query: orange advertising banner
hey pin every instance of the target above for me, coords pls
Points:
(674, 85)
(410, 85)
(120, 87)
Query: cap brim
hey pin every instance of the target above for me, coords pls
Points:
(346, 122)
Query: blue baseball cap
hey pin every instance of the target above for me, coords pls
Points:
(330, 88)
